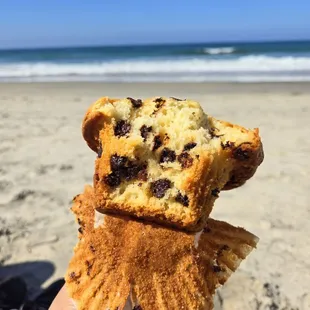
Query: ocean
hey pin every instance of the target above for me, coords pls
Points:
(221, 62)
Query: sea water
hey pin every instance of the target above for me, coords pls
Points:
(221, 62)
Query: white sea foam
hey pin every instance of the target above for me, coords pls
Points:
(252, 68)
(219, 50)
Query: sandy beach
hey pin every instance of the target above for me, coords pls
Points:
(44, 162)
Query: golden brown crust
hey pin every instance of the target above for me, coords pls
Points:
(247, 156)
(245, 168)
(93, 122)
(161, 268)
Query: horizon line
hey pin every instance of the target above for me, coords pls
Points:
(153, 44)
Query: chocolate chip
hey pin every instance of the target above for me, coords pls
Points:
(135, 170)
(131, 172)
(189, 146)
(89, 266)
(142, 175)
(185, 160)
(177, 99)
(123, 168)
(215, 192)
(183, 199)
(72, 275)
(137, 308)
(167, 155)
(207, 229)
(75, 198)
(118, 162)
(225, 247)
(160, 187)
(157, 142)
(113, 179)
(240, 154)
(80, 230)
(145, 132)
(213, 134)
(227, 144)
(96, 177)
(136, 103)
(92, 248)
(99, 150)
(216, 268)
(166, 138)
(160, 101)
(122, 128)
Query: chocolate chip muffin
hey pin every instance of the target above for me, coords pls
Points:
(165, 160)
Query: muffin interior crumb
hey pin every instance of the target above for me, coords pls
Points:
(167, 137)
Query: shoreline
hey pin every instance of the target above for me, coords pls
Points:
(182, 87)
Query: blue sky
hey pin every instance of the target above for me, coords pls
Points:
(36, 23)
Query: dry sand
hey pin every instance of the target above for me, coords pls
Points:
(44, 162)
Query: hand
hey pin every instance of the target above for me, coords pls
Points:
(62, 301)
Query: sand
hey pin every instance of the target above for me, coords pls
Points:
(44, 162)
